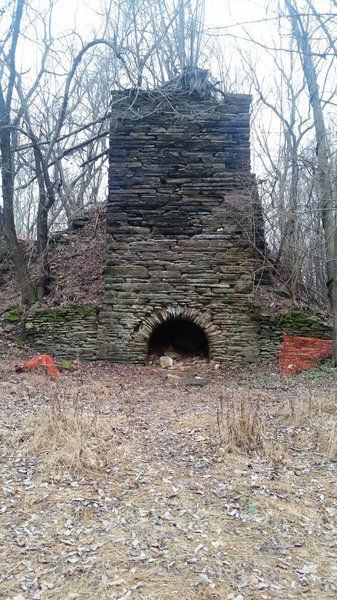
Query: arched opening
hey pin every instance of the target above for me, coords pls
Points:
(180, 336)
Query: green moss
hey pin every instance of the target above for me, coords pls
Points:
(67, 312)
(66, 364)
(126, 409)
(77, 310)
(301, 322)
(13, 316)
(49, 313)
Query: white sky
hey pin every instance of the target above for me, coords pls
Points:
(219, 13)
(225, 12)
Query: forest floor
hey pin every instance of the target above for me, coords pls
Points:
(119, 483)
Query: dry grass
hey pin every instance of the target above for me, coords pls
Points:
(315, 416)
(68, 438)
(329, 440)
(241, 426)
(299, 410)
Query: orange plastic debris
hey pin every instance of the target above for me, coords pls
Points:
(302, 353)
(42, 360)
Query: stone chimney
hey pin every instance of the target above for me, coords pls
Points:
(181, 224)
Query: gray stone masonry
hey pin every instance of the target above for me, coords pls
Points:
(182, 224)
(69, 332)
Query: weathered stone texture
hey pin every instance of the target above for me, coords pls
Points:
(69, 332)
(181, 222)
(297, 322)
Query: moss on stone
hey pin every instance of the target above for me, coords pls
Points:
(300, 321)
(68, 332)
(66, 364)
(63, 313)
(13, 316)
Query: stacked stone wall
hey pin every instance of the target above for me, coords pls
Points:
(69, 333)
(297, 322)
(180, 222)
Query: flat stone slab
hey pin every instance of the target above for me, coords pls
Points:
(197, 381)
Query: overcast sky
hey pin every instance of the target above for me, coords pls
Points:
(219, 13)
(225, 12)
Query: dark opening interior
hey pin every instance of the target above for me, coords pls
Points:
(181, 336)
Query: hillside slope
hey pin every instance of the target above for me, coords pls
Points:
(77, 262)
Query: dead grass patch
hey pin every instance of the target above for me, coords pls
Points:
(303, 409)
(241, 426)
(328, 440)
(311, 419)
(68, 438)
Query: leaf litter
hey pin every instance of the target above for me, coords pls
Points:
(117, 484)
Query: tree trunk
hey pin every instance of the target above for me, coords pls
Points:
(42, 226)
(9, 231)
(7, 165)
(42, 251)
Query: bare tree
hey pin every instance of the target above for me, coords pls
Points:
(301, 31)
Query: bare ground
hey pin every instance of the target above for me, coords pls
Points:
(117, 484)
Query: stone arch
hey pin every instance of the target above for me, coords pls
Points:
(200, 317)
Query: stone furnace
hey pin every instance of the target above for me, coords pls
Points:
(181, 223)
